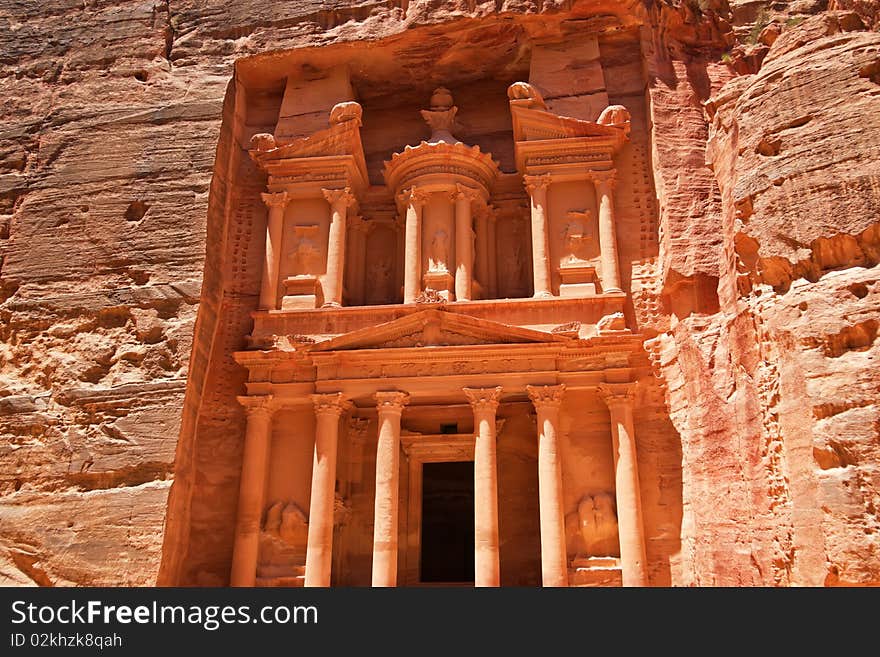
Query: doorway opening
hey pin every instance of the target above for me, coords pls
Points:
(447, 545)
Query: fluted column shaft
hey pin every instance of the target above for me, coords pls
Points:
(537, 187)
(487, 564)
(604, 183)
(619, 398)
(272, 261)
(339, 200)
(319, 551)
(464, 256)
(554, 566)
(390, 406)
(415, 201)
(252, 486)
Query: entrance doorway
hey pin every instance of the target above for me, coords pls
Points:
(447, 545)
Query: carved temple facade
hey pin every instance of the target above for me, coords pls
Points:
(441, 376)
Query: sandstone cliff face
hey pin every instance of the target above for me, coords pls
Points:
(762, 303)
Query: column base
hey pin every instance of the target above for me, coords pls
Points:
(542, 295)
(332, 304)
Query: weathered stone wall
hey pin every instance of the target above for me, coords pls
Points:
(120, 161)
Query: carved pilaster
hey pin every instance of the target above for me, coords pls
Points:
(537, 187)
(252, 486)
(547, 401)
(276, 202)
(604, 182)
(620, 399)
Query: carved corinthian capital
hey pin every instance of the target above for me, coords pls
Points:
(483, 399)
(414, 196)
(258, 404)
(391, 402)
(546, 397)
(341, 196)
(333, 403)
(604, 177)
(275, 199)
(536, 184)
(617, 394)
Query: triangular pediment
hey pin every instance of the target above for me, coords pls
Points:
(436, 328)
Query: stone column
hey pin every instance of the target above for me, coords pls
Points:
(319, 552)
(252, 487)
(482, 244)
(604, 183)
(357, 229)
(464, 256)
(415, 200)
(537, 189)
(390, 406)
(493, 256)
(619, 398)
(271, 263)
(339, 200)
(487, 565)
(554, 563)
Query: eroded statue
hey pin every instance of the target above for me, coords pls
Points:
(591, 531)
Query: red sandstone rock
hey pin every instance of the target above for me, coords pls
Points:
(125, 187)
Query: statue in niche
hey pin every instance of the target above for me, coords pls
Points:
(283, 542)
(439, 257)
(591, 531)
(306, 256)
(577, 238)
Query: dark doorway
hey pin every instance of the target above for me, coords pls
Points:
(447, 549)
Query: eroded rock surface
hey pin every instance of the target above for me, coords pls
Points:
(759, 285)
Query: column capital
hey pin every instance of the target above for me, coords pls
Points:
(258, 404)
(537, 183)
(608, 177)
(483, 399)
(414, 196)
(546, 397)
(464, 192)
(333, 403)
(275, 199)
(343, 195)
(391, 401)
(617, 394)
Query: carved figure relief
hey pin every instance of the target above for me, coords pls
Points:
(577, 238)
(306, 256)
(591, 531)
(438, 261)
(283, 541)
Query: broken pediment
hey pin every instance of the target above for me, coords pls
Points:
(436, 328)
